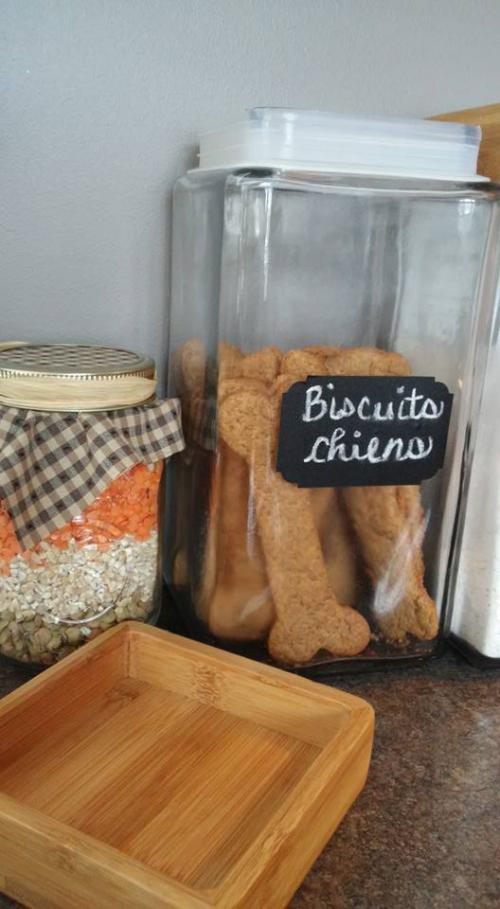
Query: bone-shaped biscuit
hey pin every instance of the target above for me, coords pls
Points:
(189, 370)
(263, 364)
(235, 599)
(240, 606)
(388, 522)
(308, 616)
(339, 546)
(366, 361)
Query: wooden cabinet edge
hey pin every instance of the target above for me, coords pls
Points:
(488, 118)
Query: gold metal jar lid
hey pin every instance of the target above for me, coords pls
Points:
(73, 377)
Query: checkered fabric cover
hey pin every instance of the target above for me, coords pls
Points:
(53, 465)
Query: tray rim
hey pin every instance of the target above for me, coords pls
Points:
(130, 629)
(70, 844)
(323, 773)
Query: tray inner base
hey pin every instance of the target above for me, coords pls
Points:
(180, 785)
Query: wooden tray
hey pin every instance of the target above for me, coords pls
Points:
(148, 771)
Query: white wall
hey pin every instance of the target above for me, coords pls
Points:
(104, 99)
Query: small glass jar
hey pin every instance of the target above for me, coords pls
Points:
(326, 274)
(83, 447)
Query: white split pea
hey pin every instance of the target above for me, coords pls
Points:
(59, 598)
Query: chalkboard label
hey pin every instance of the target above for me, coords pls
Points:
(363, 430)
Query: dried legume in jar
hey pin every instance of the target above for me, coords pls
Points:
(80, 520)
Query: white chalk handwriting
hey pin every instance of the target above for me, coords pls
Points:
(409, 405)
(326, 449)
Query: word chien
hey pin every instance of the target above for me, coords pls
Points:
(412, 406)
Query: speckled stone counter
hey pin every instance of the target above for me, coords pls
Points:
(425, 832)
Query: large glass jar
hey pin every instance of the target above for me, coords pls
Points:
(474, 581)
(325, 272)
(83, 443)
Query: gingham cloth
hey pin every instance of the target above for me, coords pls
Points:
(53, 465)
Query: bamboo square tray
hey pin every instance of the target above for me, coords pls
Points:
(148, 771)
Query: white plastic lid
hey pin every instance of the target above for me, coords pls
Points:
(304, 140)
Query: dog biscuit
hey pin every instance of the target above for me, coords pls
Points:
(234, 596)
(308, 616)
(366, 361)
(388, 523)
(337, 540)
(240, 606)
(339, 545)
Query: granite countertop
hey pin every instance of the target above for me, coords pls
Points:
(425, 832)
